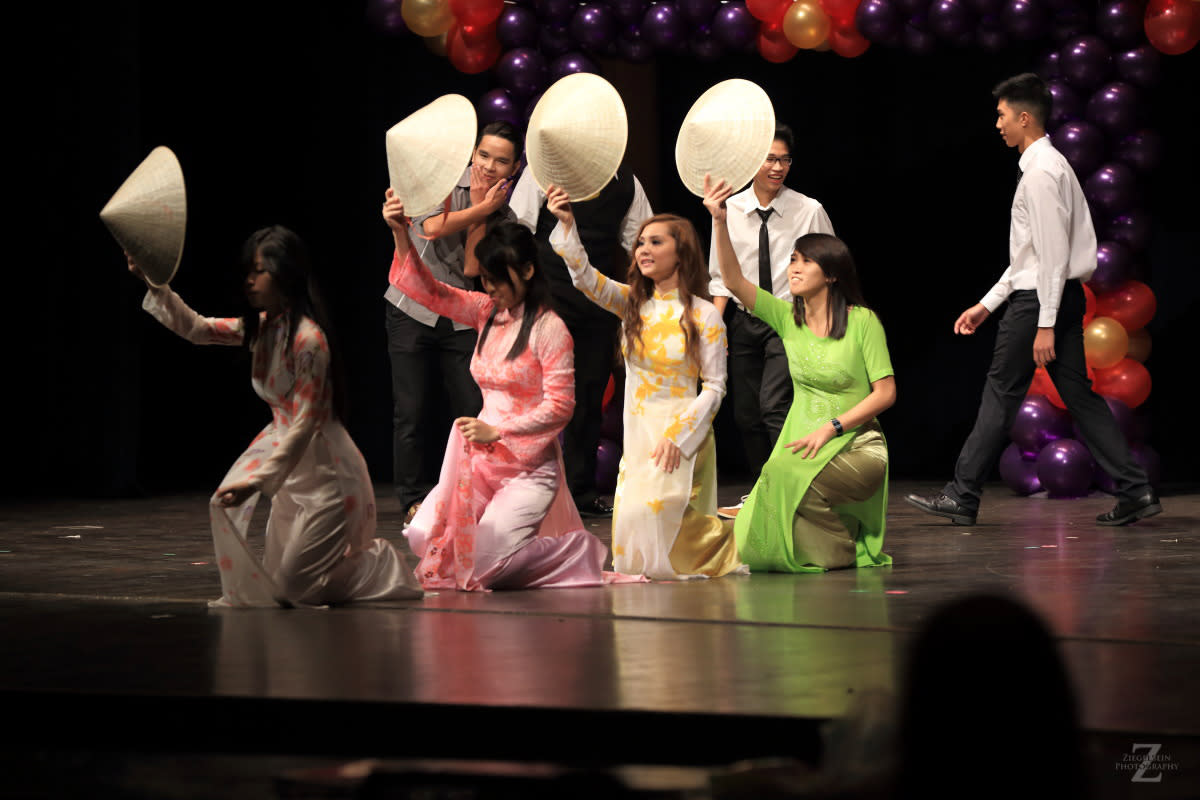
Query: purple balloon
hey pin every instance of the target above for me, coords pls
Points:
(571, 63)
(517, 27)
(497, 105)
(1141, 65)
(1113, 265)
(992, 38)
(705, 47)
(735, 27)
(1065, 104)
(1131, 229)
(629, 12)
(554, 40)
(1048, 66)
(384, 16)
(911, 8)
(1085, 61)
(522, 71)
(530, 106)
(918, 41)
(1065, 468)
(698, 12)
(950, 19)
(1082, 144)
(984, 7)
(876, 20)
(1120, 22)
(1115, 107)
(608, 465)
(593, 25)
(1017, 472)
(1069, 25)
(1025, 19)
(557, 12)
(1111, 190)
(1038, 423)
(1141, 150)
(663, 25)
(633, 47)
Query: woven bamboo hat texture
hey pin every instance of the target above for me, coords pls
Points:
(148, 215)
(727, 134)
(577, 135)
(428, 150)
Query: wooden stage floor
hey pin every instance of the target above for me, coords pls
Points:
(109, 644)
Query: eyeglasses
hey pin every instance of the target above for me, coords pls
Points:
(783, 160)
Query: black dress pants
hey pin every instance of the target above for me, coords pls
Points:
(760, 383)
(1008, 381)
(419, 355)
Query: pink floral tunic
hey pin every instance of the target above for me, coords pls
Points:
(500, 516)
(320, 546)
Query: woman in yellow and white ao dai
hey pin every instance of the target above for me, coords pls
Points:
(665, 524)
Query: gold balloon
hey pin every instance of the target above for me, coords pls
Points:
(805, 24)
(1139, 345)
(427, 17)
(1105, 342)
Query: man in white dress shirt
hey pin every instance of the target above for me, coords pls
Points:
(1052, 251)
(764, 223)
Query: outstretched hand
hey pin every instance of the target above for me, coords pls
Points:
(810, 445)
(970, 320)
(666, 455)
(393, 212)
(715, 195)
(559, 204)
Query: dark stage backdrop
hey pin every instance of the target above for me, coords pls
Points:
(278, 111)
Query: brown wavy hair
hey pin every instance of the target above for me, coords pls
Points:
(693, 282)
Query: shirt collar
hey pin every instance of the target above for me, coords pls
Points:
(1031, 152)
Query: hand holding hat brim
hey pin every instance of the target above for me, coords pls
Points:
(428, 150)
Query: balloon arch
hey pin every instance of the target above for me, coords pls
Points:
(1100, 60)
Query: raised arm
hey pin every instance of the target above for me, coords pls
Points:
(410, 275)
(603, 291)
(715, 196)
(168, 308)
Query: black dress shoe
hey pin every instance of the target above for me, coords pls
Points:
(597, 509)
(1127, 511)
(941, 505)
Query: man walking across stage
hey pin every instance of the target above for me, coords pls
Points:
(1052, 251)
(764, 223)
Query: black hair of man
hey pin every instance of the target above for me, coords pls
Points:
(1026, 92)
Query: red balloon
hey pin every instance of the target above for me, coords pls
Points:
(472, 57)
(773, 45)
(1089, 308)
(1132, 304)
(841, 12)
(769, 11)
(1127, 381)
(476, 12)
(1173, 26)
(847, 42)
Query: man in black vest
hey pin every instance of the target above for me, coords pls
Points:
(608, 225)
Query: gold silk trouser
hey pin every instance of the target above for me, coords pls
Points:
(821, 535)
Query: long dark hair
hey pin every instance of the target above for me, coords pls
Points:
(509, 244)
(285, 256)
(693, 282)
(834, 259)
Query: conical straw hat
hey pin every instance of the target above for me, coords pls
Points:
(148, 215)
(428, 150)
(577, 135)
(727, 134)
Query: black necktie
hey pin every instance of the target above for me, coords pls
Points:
(1020, 173)
(765, 279)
